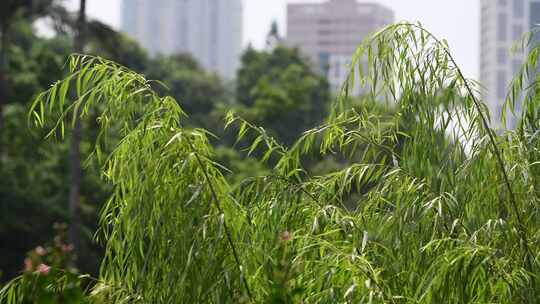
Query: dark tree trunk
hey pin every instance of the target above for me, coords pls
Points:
(75, 171)
(3, 76)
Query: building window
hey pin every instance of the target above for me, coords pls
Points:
(501, 27)
(535, 14)
(517, 31)
(534, 21)
(309, 10)
(324, 62)
(337, 69)
(501, 56)
(501, 85)
(518, 8)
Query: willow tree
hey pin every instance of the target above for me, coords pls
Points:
(443, 211)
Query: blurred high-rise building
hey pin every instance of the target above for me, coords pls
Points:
(209, 30)
(503, 23)
(330, 32)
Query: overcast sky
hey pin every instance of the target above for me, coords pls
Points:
(457, 21)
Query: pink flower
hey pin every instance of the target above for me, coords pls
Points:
(28, 266)
(67, 248)
(43, 269)
(286, 236)
(40, 251)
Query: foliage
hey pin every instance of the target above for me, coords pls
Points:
(46, 269)
(197, 91)
(104, 41)
(435, 209)
(35, 63)
(34, 193)
(239, 167)
(10, 10)
(279, 91)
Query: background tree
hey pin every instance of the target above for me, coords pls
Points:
(273, 38)
(279, 90)
(75, 171)
(11, 11)
(198, 92)
(34, 194)
(35, 190)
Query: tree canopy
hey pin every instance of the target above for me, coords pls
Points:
(278, 90)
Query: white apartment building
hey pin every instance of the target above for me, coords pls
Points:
(503, 23)
(209, 30)
(330, 32)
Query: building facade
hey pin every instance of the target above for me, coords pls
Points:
(330, 32)
(209, 30)
(503, 24)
